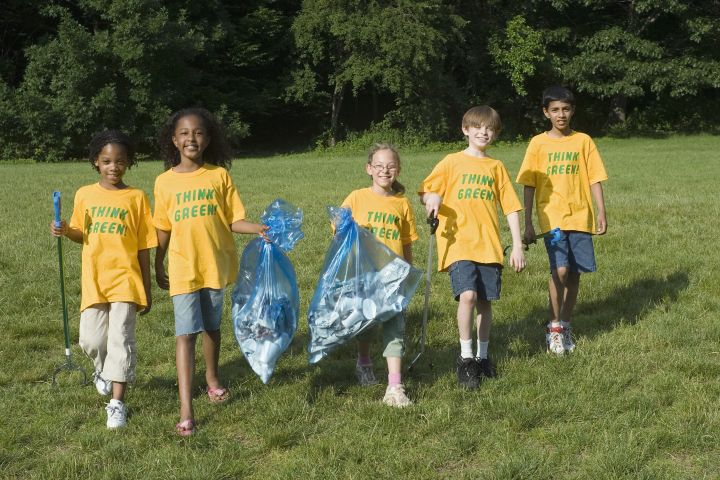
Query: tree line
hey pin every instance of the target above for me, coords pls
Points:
(287, 74)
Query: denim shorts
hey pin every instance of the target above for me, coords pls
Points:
(574, 251)
(198, 311)
(485, 279)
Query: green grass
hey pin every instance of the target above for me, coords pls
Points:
(639, 399)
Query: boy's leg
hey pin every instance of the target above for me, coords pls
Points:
(556, 287)
(484, 320)
(572, 286)
(185, 362)
(466, 308)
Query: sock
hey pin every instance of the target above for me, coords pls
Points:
(394, 379)
(466, 348)
(554, 324)
(116, 403)
(364, 361)
(482, 348)
(565, 324)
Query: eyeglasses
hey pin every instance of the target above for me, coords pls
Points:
(390, 168)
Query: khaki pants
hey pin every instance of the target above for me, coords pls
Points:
(107, 336)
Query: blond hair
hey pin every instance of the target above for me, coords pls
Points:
(396, 186)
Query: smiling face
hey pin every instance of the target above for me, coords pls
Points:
(112, 163)
(559, 113)
(479, 138)
(384, 168)
(191, 139)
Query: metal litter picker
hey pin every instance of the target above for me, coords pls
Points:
(68, 365)
(433, 222)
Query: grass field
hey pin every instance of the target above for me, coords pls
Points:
(639, 399)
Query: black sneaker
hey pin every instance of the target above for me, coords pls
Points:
(468, 373)
(487, 369)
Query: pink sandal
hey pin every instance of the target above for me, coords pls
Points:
(185, 428)
(218, 395)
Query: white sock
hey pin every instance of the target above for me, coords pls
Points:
(482, 349)
(466, 348)
(554, 324)
(117, 403)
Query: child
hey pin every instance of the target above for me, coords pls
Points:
(112, 222)
(196, 211)
(464, 191)
(561, 170)
(384, 210)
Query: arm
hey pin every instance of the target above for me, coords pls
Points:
(528, 199)
(597, 193)
(160, 276)
(407, 253)
(144, 261)
(241, 226)
(74, 234)
(432, 203)
(517, 257)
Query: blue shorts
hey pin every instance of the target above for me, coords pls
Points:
(485, 279)
(574, 251)
(198, 311)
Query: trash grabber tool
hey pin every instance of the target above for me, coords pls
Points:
(68, 365)
(433, 222)
(555, 233)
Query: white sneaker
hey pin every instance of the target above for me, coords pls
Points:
(365, 375)
(567, 340)
(104, 387)
(395, 396)
(554, 339)
(116, 414)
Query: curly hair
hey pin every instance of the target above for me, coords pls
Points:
(396, 186)
(218, 151)
(106, 137)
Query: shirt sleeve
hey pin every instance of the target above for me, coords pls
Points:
(77, 220)
(236, 209)
(509, 201)
(147, 237)
(436, 182)
(527, 174)
(595, 167)
(408, 233)
(160, 217)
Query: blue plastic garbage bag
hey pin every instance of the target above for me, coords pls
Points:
(362, 283)
(265, 300)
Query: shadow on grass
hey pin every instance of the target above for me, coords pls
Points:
(627, 305)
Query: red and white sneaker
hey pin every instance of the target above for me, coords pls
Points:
(554, 340)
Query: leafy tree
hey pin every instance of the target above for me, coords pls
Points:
(346, 45)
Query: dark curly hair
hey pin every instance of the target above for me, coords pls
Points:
(106, 137)
(218, 151)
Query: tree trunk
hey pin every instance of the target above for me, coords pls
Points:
(618, 108)
(337, 99)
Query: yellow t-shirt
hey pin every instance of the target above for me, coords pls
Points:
(562, 170)
(197, 208)
(390, 219)
(116, 224)
(472, 188)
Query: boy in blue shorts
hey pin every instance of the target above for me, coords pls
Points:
(464, 191)
(562, 171)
